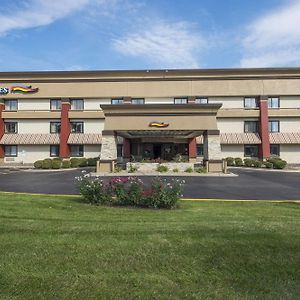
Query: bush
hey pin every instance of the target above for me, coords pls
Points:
(162, 169)
(238, 162)
(38, 164)
(92, 162)
(257, 164)
(118, 169)
(47, 163)
(132, 168)
(201, 170)
(277, 162)
(248, 162)
(66, 164)
(176, 170)
(268, 165)
(75, 162)
(83, 162)
(56, 164)
(230, 161)
(189, 170)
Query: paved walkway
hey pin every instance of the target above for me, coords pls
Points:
(250, 184)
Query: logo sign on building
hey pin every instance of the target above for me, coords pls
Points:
(158, 124)
(4, 90)
(21, 88)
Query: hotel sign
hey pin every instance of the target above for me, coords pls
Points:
(158, 124)
(18, 88)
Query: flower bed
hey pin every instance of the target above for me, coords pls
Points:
(130, 191)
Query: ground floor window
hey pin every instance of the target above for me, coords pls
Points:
(119, 150)
(199, 150)
(54, 150)
(251, 150)
(76, 150)
(11, 151)
(275, 150)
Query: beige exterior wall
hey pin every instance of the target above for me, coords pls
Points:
(30, 153)
(34, 104)
(290, 153)
(290, 101)
(228, 102)
(34, 126)
(288, 124)
(159, 100)
(92, 150)
(232, 151)
(231, 125)
(93, 126)
(94, 104)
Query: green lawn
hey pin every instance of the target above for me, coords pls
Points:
(60, 248)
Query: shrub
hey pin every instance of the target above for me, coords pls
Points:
(66, 164)
(47, 163)
(83, 162)
(92, 162)
(56, 164)
(248, 162)
(162, 169)
(257, 164)
(189, 170)
(38, 164)
(201, 170)
(268, 165)
(176, 170)
(132, 168)
(230, 161)
(118, 169)
(238, 162)
(75, 162)
(277, 162)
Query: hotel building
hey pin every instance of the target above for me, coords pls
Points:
(203, 114)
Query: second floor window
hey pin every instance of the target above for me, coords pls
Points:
(137, 101)
(274, 126)
(77, 127)
(180, 100)
(55, 127)
(201, 100)
(250, 102)
(77, 104)
(117, 101)
(55, 104)
(273, 102)
(11, 127)
(11, 104)
(250, 126)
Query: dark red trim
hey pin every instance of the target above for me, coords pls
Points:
(126, 148)
(65, 129)
(192, 148)
(2, 129)
(264, 149)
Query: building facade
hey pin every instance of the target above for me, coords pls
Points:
(156, 114)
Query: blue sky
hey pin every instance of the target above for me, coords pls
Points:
(149, 34)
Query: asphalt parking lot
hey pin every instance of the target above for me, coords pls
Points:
(250, 184)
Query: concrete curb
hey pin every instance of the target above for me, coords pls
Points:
(136, 174)
(265, 170)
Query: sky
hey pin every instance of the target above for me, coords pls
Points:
(148, 34)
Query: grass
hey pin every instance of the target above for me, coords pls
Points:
(60, 248)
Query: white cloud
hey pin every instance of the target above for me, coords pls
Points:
(35, 13)
(274, 39)
(174, 45)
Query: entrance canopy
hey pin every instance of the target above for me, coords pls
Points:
(160, 120)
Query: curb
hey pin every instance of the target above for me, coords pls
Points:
(93, 174)
(265, 170)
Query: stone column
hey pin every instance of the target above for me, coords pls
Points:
(65, 129)
(108, 154)
(212, 151)
(2, 129)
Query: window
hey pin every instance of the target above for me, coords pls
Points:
(275, 150)
(77, 104)
(55, 127)
(199, 150)
(250, 126)
(250, 102)
(273, 126)
(54, 150)
(119, 150)
(251, 151)
(138, 101)
(55, 104)
(11, 104)
(273, 102)
(180, 100)
(11, 151)
(116, 101)
(11, 127)
(201, 100)
(77, 127)
(76, 150)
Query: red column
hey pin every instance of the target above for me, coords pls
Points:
(192, 149)
(264, 150)
(65, 129)
(2, 129)
(126, 148)
(191, 100)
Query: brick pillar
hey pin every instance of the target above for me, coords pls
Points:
(126, 149)
(192, 150)
(65, 129)
(2, 129)
(264, 149)
(191, 99)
